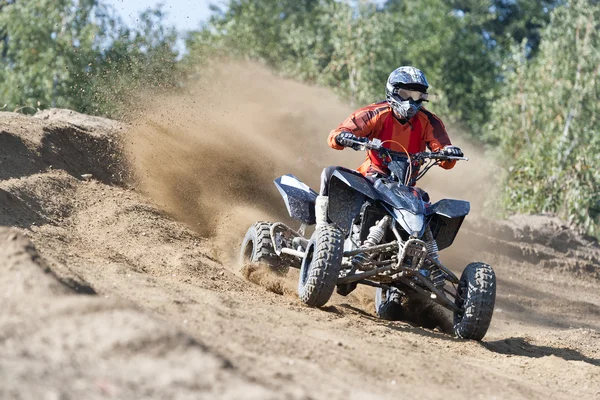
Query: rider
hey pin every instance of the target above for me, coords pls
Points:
(401, 121)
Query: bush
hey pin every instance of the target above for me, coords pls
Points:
(546, 122)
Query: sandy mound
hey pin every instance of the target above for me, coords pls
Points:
(56, 343)
(543, 240)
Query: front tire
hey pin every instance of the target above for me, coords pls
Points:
(476, 294)
(257, 248)
(321, 266)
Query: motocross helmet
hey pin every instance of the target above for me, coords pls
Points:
(405, 91)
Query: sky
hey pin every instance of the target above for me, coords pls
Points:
(183, 14)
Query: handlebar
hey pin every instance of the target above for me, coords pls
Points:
(377, 145)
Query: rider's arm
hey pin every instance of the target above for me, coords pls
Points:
(362, 123)
(436, 137)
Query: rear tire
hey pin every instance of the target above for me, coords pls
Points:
(407, 305)
(388, 304)
(432, 315)
(476, 294)
(257, 248)
(321, 266)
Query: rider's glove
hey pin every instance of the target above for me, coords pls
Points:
(452, 151)
(347, 139)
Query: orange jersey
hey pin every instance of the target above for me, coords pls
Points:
(378, 121)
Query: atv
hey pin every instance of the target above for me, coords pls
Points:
(379, 231)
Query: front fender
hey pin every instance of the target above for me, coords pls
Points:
(355, 181)
(413, 224)
(347, 193)
(445, 219)
(450, 208)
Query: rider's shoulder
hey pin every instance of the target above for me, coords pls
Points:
(374, 109)
(428, 116)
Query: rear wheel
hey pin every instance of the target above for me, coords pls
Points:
(476, 294)
(431, 315)
(257, 247)
(388, 304)
(407, 305)
(321, 266)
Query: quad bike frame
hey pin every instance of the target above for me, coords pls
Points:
(379, 231)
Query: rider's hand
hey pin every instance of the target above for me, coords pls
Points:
(347, 139)
(452, 151)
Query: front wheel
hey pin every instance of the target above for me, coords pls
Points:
(476, 294)
(321, 266)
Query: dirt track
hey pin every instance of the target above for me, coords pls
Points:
(124, 302)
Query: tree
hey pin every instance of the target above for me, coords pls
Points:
(79, 55)
(506, 22)
(39, 59)
(462, 69)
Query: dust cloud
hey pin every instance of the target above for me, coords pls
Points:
(209, 157)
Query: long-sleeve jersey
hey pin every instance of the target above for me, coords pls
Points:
(378, 121)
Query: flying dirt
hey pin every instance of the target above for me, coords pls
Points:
(124, 285)
(234, 132)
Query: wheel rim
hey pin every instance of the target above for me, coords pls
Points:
(381, 297)
(248, 251)
(306, 265)
(461, 293)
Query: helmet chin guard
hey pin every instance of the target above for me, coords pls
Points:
(404, 109)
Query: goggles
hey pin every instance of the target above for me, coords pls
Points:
(406, 94)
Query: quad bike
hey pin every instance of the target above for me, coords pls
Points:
(378, 231)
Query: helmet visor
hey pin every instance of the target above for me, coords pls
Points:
(406, 94)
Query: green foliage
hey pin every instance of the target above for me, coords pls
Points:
(504, 22)
(547, 121)
(39, 58)
(76, 54)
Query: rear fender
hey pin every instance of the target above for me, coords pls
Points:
(298, 197)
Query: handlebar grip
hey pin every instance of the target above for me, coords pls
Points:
(366, 143)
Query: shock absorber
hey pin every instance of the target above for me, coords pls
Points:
(376, 234)
(436, 275)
